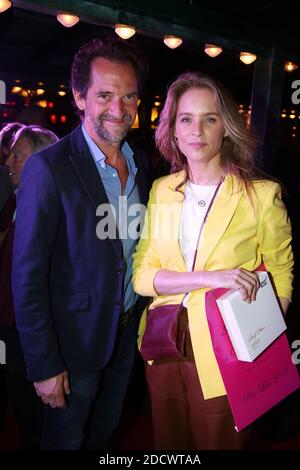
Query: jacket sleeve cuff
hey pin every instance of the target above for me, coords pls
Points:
(143, 282)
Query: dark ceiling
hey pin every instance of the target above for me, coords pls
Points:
(35, 47)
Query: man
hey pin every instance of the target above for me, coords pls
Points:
(75, 306)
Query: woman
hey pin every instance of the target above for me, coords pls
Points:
(27, 140)
(209, 146)
(7, 134)
(6, 137)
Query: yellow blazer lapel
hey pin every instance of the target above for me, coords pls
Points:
(176, 199)
(219, 218)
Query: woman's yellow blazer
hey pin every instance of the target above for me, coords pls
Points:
(240, 232)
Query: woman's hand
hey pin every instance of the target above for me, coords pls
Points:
(240, 279)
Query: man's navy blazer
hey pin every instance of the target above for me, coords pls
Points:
(67, 283)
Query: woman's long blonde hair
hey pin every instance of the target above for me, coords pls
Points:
(240, 145)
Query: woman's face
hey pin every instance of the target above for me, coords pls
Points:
(18, 155)
(198, 127)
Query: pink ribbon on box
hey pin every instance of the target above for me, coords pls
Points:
(252, 387)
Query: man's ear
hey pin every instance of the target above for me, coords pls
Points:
(79, 100)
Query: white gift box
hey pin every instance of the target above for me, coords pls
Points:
(252, 327)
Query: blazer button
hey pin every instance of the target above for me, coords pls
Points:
(117, 303)
(118, 270)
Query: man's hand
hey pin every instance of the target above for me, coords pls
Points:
(52, 391)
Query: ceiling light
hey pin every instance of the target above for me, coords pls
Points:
(16, 89)
(212, 50)
(67, 20)
(42, 103)
(172, 41)
(124, 31)
(25, 93)
(247, 57)
(4, 5)
(290, 66)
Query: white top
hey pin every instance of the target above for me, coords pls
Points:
(192, 217)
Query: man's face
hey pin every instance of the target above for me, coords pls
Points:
(111, 101)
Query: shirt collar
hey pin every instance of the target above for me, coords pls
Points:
(100, 157)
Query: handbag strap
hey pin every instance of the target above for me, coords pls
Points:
(201, 228)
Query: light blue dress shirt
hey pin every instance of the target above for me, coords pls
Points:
(120, 202)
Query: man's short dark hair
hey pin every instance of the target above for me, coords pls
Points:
(112, 49)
